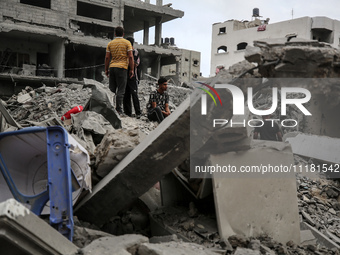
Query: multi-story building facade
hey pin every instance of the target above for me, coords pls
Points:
(186, 69)
(230, 38)
(70, 36)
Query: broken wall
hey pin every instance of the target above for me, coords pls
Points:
(22, 53)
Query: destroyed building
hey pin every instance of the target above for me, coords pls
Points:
(230, 38)
(187, 69)
(67, 39)
(290, 215)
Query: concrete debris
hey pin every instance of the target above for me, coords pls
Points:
(307, 237)
(22, 232)
(298, 58)
(125, 165)
(100, 102)
(46, 103)
(174, 248)
(244, 251)
(318, 206)
(164, 239)
(322, 148)
(134, 170)
(113, 148)
(120, 245)
(24, 98)
(166, 148)
(7, 121)
(90, 127)
(84, 236)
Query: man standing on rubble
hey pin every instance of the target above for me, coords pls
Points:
(269, 131)
(132, 86)
(158, 106)
(118, 58)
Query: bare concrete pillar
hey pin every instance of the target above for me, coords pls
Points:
(57, 53)
(156, 67)
(159, 2)
(147, 1)
(158, 31)
(146, 33)
(178, 69)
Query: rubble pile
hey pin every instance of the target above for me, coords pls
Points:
(295, 58)
(196, 230)
(33, 107)
(200, 228)
(318, 204)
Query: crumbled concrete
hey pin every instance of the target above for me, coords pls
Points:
(171, 248)
(317, 200)
(307, 237)
(244, 251)
(101, 102)
(322, 148)
(84, 236)
(120, 245)
(115, 145)
(22, 232)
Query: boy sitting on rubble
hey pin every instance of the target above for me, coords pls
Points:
(158, 106)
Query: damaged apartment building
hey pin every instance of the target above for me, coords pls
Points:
(230, 38)
(67, 39)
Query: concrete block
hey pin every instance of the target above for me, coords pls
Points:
(24, 98)
(118, 245)
(244, 251)
(252, 204)
(321, 238)
(22, 232)
(307, 237)
(173, 248)
(29, 69)
(253, 54)
(319, 147)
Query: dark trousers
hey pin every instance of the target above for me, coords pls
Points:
(117, 84)
(155, 114)
(131, 91)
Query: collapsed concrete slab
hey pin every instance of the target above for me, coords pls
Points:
(22, 232)
(321, 238)
(166, 148)
(174, 248)
(114, 146)
(100, 103)
(322, 148)
(246, 193)
(120, 245)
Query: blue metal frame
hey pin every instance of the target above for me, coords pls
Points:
(59, 189)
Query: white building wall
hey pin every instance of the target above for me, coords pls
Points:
(302, 27)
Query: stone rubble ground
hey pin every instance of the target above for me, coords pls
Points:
(318, 197)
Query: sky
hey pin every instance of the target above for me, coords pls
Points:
(193, 30)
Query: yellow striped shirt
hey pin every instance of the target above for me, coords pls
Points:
(119, 48)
